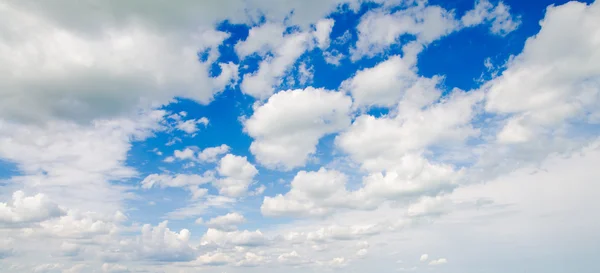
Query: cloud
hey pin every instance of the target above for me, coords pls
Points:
(553, 80)
(286, 49)
(379, 142)
(214, 259)
(502, 21)
(28, 209)
(211, 154)
(287, 128)
(378, 29)
(237, 175)
(159, 243)
(176, 181)
(114, 268)
(87, 83)
(322, 32)
(73, 163)
(388, 82)
(440, 261)
(424, 258)
(227, 222)
(233, 238)
(191, 126)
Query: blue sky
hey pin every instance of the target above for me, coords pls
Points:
(317, 136)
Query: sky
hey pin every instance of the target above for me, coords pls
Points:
(456, 136)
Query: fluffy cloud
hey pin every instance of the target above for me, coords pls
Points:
(388, 82)
(227, 222)
(286, 49)
(322, 32)
(161, 244)
(439, 261)
(378, 143)
(311, 193)
(73, 163)
(176, 181)
(27, 209)
(191, 126)
(325, 191)
(555, 79)
(211, 154)
(380, 28)
(287, 129)
(499, 16)
(87, 83)
(214, 259)
(114, 268)
(237, 175)
(233, 238)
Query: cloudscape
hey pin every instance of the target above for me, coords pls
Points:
(293, 136)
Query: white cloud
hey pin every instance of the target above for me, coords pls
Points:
(184, 154)
(73, 163)
(424, 258)
(502, 21)
(159, 243)
(211, 154)
(322, 32)
(261, 83)
(227, 222)
(234, 238)
(378, 29)
(176, 181)
(27, 209)
(440, 261)
(388, 82)
(114, 268)
(261, 39)
(311, 193)
(87, 82)
(325, 191)
(214, 259)
(379, 143)
(292, 258)
(237, 175)
(252, 259)
(287, 129)
(191, 126)
(554, 80)
(77, 224)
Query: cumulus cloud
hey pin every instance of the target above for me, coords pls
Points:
(211, 154)
(227, 222)
(87, 83)
(159, 243)
(439, 261)
(287, 128)
(379, 29)
(286, 49)
(243, 238)
(237, 175)
(502, 22)
(28, 209)
(191, 126)
(322, 32)
(553, 80)
(388, 82)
